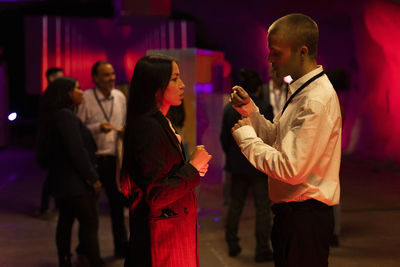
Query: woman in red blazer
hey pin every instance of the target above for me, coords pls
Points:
(156, 176)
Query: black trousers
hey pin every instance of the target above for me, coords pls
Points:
(240, 184)
(301, 233)
(45, 196)
(84, 209)
(106, 167)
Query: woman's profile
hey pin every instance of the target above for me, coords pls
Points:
(156, 175)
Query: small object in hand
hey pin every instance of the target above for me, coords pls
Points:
(239, 97)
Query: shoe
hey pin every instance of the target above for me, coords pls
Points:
(65, 261)
(234, 250)
(264, 256)
(82, 261)
(119, 254)
(335, 241)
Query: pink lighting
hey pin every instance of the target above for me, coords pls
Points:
(379, 61)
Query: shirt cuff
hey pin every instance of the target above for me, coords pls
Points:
(243, 133)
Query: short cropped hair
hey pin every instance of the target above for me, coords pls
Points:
(51, 71)
(96, 66)
(300, 30)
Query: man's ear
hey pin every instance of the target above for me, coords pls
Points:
(304, 51)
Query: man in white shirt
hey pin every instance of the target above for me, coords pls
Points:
(103, 111)
(299, 151)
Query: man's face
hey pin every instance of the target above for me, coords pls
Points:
(283, 58)
(105, 77)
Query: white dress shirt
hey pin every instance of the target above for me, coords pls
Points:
(92, 116)
(277, 97)
(301, 150)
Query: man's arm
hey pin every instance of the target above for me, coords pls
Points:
(301, 148)
(243, 104)
(84, 116)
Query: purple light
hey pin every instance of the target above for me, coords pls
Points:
(216, 219)
(205, 88)
(12, 116)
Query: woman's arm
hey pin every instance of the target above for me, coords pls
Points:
(68, 126)
(161, 181)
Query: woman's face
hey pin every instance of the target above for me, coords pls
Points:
(76, 95)
(173, 94)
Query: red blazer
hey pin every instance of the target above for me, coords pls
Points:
(164, 226)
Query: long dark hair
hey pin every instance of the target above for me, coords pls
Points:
(150, 76)
(55, 97)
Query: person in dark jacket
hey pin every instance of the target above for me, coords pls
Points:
(243, 175)
(67, 148)
(156, 175)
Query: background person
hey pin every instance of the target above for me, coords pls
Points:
(68, 149)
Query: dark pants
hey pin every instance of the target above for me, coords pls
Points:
(139, 252)
(84, 209)
(238, 193)
(45, 197)
(107, 171)
(301, 233)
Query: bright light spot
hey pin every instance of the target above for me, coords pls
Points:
(287, 79)
(216, 219)
(12, 116)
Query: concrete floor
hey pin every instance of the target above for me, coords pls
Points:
(370, 219)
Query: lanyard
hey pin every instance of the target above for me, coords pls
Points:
(107, 117)
(301, 88)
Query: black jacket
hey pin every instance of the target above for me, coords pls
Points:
(71, 159)
(235, 161)
(164, 224)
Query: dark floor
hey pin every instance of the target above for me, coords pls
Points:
(370, 219)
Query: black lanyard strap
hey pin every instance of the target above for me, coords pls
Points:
(107, 117)
(300, 89)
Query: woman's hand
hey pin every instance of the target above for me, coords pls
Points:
(199, 159)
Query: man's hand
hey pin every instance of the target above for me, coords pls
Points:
(105, 127)
(97, 187)
(240, 123)
(239, 97)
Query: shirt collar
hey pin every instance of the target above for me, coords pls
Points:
(272, 87)
(299, 82)
(101, 96)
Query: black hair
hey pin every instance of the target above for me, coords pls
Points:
(51, 71)
(96, 66)
(151, 75)
(176, 114)
(250, 80)
(55, 97)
